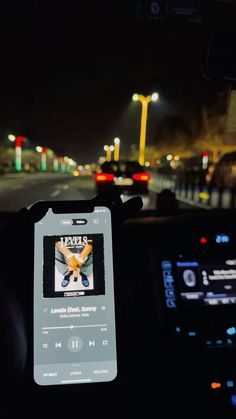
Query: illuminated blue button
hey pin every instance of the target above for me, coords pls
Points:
(208, 342)
(192, 333)
(166, 264)
(219, 342)
(229, 341)
(177, 329)
(167, 273)
(169, 293)
(233, 399)
(222, 238)
(170, 302)
(229, 383)
(168, 282)
(231, 331)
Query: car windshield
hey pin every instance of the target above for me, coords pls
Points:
(86, 85)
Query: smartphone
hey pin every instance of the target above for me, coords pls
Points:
(74, 338)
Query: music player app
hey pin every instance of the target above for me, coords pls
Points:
(74, 318)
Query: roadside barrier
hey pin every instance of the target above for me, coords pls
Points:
(196, 194)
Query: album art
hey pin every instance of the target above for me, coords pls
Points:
(73, 265)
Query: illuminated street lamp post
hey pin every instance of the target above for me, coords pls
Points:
(144, 101)
(111, 147)
(43, 160)
(18, 151)
(55, 164)
(63, 166)
(11, 137)
(116, 148)
(107, 150)
(66, 160)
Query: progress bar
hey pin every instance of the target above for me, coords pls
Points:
(73, 327)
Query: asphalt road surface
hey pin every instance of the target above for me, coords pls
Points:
(23, 189)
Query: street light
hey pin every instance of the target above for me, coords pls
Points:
(63, 165)
(107, 150)
(144, 101)
(11, 137)
(43, 163)
(55, 164)
(18, 151)
(112, 148)
(67, 166)
(116, 148)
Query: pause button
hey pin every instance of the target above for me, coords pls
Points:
(75, 344)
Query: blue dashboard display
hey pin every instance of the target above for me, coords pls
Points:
(187, 264)
(222, 238)
(199, 282)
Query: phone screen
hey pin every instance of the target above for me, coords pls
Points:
(74, 316)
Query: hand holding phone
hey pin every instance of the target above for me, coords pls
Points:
(74, 313)
(20, 286)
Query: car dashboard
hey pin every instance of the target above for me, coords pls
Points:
(175, 300)
(179, 285)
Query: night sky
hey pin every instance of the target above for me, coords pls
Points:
(69, 69)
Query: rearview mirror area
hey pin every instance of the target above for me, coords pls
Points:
(220, 61)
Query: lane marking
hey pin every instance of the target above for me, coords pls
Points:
(62, 186)
(55, 193)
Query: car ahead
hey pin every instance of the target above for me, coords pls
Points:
(130, 175)
(224, 172)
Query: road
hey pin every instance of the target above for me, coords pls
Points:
(23, 189)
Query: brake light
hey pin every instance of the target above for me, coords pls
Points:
(101, 177)
(143, 176)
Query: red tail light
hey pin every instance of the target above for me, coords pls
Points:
(143, 176)
(101, 177)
